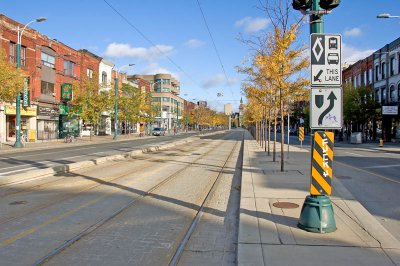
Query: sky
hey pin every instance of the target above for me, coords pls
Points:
(197, 41)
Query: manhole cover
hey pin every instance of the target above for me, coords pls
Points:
(285, 205)
(20, 202)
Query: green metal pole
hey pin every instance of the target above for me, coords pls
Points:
(18, 143)
(116, 107)
(316, 21)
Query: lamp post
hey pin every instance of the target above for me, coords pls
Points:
(20, 31)
(152, 90)
(116, 101)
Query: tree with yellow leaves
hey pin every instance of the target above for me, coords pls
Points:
(11, 79)
(277, 63)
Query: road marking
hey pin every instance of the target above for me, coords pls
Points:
(383, 166)
(355, 154)
(35, 155)
(371, 173)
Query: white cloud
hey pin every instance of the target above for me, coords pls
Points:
(194, 43)
(352, 54)
(154, 68)
(218, 80)
(118, 50)
(354, 32)
(252, 25)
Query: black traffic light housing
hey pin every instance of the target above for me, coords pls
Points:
(329, 4)
(302, 4)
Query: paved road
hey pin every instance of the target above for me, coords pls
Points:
(129, 212)
(60, 153)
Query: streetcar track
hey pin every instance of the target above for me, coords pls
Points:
(175, 259)
(78, 194)
(104, 220)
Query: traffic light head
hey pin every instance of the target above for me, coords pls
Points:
(302, 4)
(329, 4)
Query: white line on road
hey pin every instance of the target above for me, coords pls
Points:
(355, 154)
(384, 166)
(35, 155)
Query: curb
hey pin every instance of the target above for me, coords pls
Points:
(36, 174)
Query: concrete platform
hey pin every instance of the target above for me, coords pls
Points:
(269, 235)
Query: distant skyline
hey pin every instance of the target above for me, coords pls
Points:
(171, 36)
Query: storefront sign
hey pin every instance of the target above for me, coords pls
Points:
(25, 95)
(390, 110)
(66, 92)
(28, 111)
(48, 113)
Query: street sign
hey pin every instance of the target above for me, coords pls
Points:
(326, 64)
(322, 160)
(326, 108)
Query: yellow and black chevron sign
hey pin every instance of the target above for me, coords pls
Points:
(301, 133)
(322, 160)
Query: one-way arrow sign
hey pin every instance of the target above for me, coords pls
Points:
(326, 108)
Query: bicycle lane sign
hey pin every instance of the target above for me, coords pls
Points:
(326, 108)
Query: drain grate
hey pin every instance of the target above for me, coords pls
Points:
(20, 202)
(285, 205)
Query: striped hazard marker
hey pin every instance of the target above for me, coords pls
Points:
(322, 160)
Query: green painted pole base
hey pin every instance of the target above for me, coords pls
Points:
(317, 215)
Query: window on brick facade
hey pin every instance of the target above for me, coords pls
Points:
(89, 73)
(377, 95)
(13, 54)
(69, 68)
(383, 69)
(370, 76)
(376, 72)
(48, 60)
(391, 95)
(47, 88)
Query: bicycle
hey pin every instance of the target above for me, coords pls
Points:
(69, 138)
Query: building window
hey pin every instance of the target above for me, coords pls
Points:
(391, 95)
(12, 50)
(370, 76)
(383, 94)
(47, 88)
(104, 78)
(13, 54)
(365, 78)
(392, 66)
(354, 82)
(383, 69)
(398, 92)
(376, 72)
(359, 80)
(23, 56)
(89, 73)
(377, 95)
(69, 68)
(48, 60)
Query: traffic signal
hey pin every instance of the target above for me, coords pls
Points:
(302, 4)
(329, 4)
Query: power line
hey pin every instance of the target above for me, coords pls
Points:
(215, 47)
(149, 41)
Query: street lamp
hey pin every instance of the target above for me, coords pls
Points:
(116, 100)
(20, 31)
(386, 15)
(152, 90)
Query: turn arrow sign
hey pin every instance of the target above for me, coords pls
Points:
(331, 99)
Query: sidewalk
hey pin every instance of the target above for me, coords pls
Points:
(269, 235)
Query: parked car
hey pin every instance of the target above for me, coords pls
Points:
(158, 131)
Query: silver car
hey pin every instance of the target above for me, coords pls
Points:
(158, 131)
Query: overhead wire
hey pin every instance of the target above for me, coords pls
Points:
(149, 41)
(215, 47)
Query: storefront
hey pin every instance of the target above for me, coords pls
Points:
(28, 121)
(47, 121)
